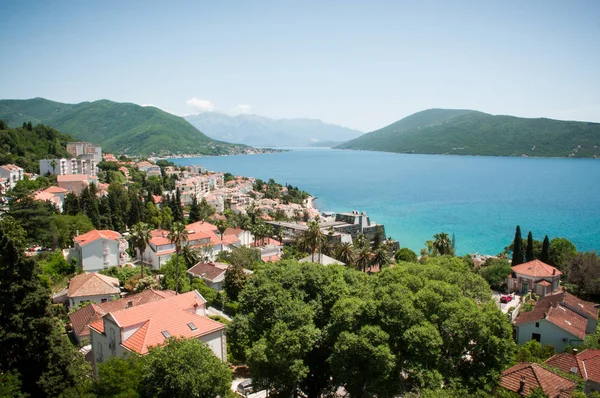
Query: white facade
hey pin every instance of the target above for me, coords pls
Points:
(548, 333)
(85, 148)
(101, 298)
(100, 254)
(12, 173)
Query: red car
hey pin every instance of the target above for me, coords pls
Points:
(506, 299)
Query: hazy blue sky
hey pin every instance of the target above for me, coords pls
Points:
(359, 64)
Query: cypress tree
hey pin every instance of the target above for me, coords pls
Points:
(178, 213)
(545, 256)
(194, 210)
(517, 257)
(529, 252)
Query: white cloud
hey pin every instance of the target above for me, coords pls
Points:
(200, 104)
(241, 109)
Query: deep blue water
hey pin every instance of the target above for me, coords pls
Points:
(480, 199)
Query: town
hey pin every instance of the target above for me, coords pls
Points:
(140, 254)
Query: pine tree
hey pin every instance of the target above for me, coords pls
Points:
(194, 215)
(529, 252)
(545, 256)
(178, 211)
(29, 126)
(517, 257)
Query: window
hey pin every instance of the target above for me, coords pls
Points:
(192, 326)
(129, 304)
(536, 336)
(104, 300)
(537, 324)
(165, 334)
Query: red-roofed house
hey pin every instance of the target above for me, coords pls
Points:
(535, 276)
(137, 329)
(159, 249)
(559, 320)
(54, 195)
(524, 377)
(585, 364)
(99, 249)
(93, 287)
(81, 319)
(75, 183)
(12, 173)
(213, 274)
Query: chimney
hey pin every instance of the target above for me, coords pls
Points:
(522, 386)
(575, 351)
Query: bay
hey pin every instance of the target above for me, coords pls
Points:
(479, 199)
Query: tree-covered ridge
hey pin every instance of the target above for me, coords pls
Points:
(25, 146)
(466, 132)
(118, 127)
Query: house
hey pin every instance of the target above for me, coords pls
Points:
(585, 364)
(81, 319)
(149, 168)
(245, 237)
(54, 195)
(320, 258)
(12, 173)
(159, 249)
(136, 329)
(76, 183)
(213, 274)
(524, 377)
(93, 287)
(559, 320)
(81, 149)
(99, 249)
(534, 276)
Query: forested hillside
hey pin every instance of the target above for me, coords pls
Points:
(26, 145)
(467, 132)
(117, 127)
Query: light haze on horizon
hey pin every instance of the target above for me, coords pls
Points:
(362, 65)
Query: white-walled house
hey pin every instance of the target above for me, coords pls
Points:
(559, 320)
(93, 287)
(159, 249)
(136, 329)
(54, 195)
(213, 274)
(12, 173)
(99, 249)
(245, 237)
(534, 276)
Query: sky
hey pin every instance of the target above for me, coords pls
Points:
(360, 64)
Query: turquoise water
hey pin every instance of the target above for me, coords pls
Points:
(480, 199)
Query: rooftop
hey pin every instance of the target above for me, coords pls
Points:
(531, 376)
(95, 234)
(536, 269)
(93, 284)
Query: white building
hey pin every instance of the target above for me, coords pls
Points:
(213, 274)
(54, 195)
(99, 249)
(77, 149)
(136, 329)
(93, 287)
(12, 173)
(85, 164)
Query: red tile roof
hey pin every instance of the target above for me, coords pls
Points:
(536, 269)
(54, 189)
(93, 284)
(171, 315)
(271, 259)
(81, 318)
(541, 307)
(544, 283)
(568, 320)
(72, 177)
(265, 242)
(535, 376)
(233, 231)
(586, 364)
(577, 304)
(91, 236)
(213, 272)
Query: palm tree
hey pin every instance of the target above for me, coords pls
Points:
(221, 226)
(190, 256)
(441, 243)
(140, 236)
(345, 253)
(382, 256)
(177, 236)
(363, 258)
(314, 237)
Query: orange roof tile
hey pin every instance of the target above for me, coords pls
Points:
(93, 284)
(536, 269)
(91, 236)
(54, 189)
(535, 376)
(588, 308)
(568, 320)
(171, 315)
(72, 177)
(586, 364)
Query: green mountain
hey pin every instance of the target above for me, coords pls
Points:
(118, 127)
(26, 147)
(467, 132)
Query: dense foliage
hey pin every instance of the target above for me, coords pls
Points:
(273, 190)
(26, 146)
(466, 132)
(309, 327)
(117, 127)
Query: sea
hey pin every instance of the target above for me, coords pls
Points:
(480, 200)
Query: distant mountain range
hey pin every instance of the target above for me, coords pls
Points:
(265, 132)
(468, 132)
(118, 127)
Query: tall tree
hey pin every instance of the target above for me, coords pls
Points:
(140, 236)
(234, 282)
(517, 257)
(345, 253)
(221, 226)
(545, 256)
(178, 236)
(194, 215)
(314, 237)
(442, 244)
(529, 250)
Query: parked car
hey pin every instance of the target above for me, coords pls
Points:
(245, 387)
(506, 298)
